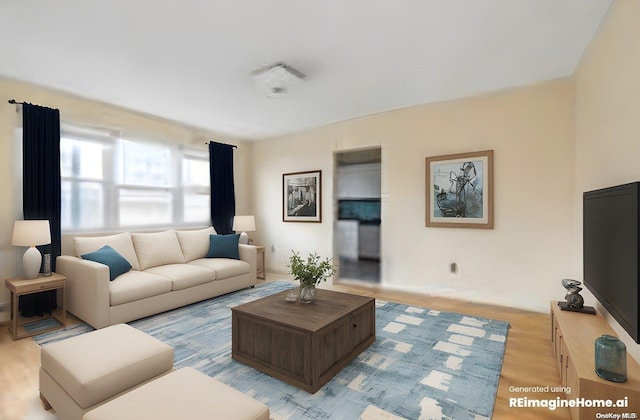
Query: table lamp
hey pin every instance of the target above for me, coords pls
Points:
(244, 224)
(31, 233)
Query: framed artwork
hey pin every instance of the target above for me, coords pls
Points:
(302, 197)
(459, 190)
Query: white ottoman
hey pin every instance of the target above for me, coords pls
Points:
(79, 373)
(182, 394)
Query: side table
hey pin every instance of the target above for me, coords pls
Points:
(20, 287)
(261, 268)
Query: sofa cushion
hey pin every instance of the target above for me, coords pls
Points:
(121, 242)
(154, 249)
(194, 243)
(136, 285)
(183, 276)
(224, 267)
(108, 256)
(224, 246)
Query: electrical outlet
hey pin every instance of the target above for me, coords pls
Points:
(453, 268)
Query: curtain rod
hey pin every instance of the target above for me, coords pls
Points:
(13, 101)
(224, 144)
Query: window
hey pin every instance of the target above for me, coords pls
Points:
(109, 183)
(82, 185)
(195, 184)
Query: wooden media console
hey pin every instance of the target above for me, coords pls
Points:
(573, 338)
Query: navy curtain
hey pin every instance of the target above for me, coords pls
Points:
(223, 200)
(41, 189)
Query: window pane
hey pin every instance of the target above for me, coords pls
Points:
(195, 172)
(196, 208)
(81, 159)
(144, 164)
(82, 205)
(111, 183)
(143, 208)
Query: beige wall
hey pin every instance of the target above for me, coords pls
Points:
(91, 114)
(608, 113)
(551, 141)
(519, 262)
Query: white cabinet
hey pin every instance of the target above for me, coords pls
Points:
(347, 236)
(358, 181)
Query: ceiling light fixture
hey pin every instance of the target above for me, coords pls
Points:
(276, 79)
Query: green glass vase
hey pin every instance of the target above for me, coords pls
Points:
(611, 358)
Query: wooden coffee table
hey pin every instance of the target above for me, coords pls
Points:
(304, 345)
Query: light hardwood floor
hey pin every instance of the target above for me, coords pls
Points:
(528, 359)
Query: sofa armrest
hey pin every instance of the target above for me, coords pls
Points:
(249, 255)
(86, 289)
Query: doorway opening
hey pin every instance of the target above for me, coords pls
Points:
(357, 175)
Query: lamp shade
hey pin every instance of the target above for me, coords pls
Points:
(244, 224)
(31, 233)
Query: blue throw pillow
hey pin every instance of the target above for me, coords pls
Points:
(224, 246)
(108, 256)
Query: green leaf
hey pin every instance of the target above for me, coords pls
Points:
(312, 271)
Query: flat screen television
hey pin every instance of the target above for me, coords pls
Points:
(610, 251)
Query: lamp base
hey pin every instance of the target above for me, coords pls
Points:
(31, 261)
(244, 238)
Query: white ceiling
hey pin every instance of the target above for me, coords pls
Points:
(190, 60)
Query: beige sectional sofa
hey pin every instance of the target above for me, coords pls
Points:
(169, 269)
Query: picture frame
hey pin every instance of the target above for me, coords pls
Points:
(302, 197)
(459, 190)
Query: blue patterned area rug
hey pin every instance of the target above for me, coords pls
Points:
(424, 364)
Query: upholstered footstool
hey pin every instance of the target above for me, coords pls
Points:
(79, 373)
(182, 394)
